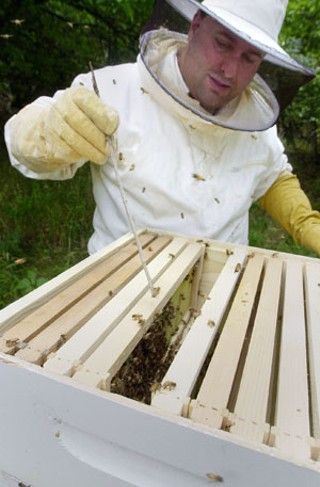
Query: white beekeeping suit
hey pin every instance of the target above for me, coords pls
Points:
(183, 169)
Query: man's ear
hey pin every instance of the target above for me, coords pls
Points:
(195, 24)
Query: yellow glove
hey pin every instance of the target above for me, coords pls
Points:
(74, 128)
(289, 206)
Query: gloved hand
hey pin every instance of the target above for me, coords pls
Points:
(289, 206)
(74, 128)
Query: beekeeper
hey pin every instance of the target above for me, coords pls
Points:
(194, 128)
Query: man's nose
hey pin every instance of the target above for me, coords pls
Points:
(230, 66)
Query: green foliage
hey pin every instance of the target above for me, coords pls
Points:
(264, 233)
(44, 44)
(44, 228)
(29, 282)
(301, 38)
(302, 27)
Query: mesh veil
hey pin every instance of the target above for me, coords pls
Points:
(283, 82)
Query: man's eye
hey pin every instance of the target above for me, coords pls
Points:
(221, 44)
(251, 59)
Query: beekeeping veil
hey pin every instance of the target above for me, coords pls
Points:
(257, 22)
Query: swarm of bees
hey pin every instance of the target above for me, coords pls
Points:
(143, 371)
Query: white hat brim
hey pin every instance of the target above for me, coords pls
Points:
(244, 29)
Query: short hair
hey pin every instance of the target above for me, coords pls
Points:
(202, 13)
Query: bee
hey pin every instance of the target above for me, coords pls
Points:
(227, 425)
(214, 477)
(237, 267)
(169, 385)
(63, 338)
(143, 91)
(17, 21)
(254, 137)
(194, 313)
(217, 200)
(182, 215)
(136, 316)
(11, 342)
(155, 291)
(132, 167)
(211, 323)
(114, 82)
(143, 189)
(155, 387)
(120, 156)
(204, 296)
(198, 177)
(229, 252)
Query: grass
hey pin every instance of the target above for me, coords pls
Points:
(45, 226)
(264, 232)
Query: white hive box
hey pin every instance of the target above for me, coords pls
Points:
(216, 379)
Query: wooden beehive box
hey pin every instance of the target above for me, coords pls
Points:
(215, 379)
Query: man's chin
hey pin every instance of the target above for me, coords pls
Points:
(210, 108)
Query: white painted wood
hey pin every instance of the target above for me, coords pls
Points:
(187, 364)
(98, 369)
(86, 340)
(83, 437)
(213, 264)
(291, 432)
(194, 291)
(250, 413)
(312, 296)
(212, 400)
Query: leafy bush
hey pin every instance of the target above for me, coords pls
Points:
(301, 38)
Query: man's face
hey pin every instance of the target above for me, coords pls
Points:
(216, 65)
